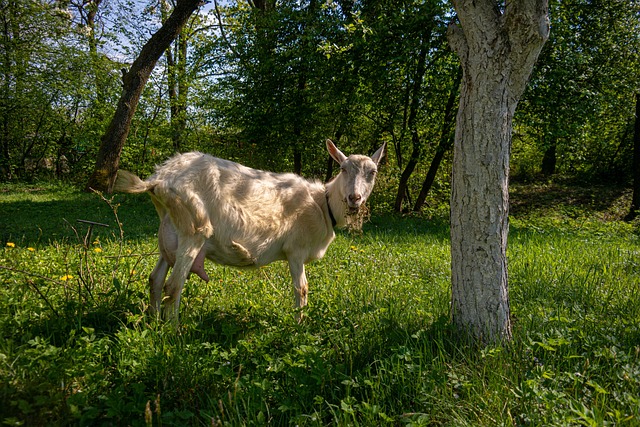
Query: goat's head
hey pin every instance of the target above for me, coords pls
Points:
(357, 176)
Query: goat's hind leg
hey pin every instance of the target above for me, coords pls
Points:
(190, 223)
(188, 249)
(159, 274)
(156, 283)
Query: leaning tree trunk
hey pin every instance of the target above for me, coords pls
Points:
(445, 143)
(497, 50)
(113, 140)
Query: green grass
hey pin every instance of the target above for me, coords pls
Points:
(375, 347)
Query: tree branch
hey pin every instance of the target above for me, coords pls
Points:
(222, 33)
(457, 41)
(527, 24)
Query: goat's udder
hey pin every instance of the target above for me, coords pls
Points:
(198, 266)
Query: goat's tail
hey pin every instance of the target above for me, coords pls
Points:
(126, 182)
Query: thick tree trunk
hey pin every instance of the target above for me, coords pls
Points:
(497, 50)
(635, 201)
(113, 140)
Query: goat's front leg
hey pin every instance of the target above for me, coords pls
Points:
(300, 286)
(156, 283)
(188, 249)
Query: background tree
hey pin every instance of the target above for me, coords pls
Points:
(44, 84)
(413, 108)
(285, 75)
(577, 114)
(407, 72)
(497, 49)
(444, 144)
(87, 12)
(134, 81)
(300, 73)
(179, 76)
(635, 200)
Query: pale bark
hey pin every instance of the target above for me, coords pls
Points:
(497, 50)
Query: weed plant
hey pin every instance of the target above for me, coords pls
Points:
(78, 348)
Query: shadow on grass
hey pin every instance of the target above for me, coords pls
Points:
(42, 216)
(382, 226)
(36, 221)
(572, 199)
(70, 320)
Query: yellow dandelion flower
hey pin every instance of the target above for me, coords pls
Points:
(11, 245)
(30, 249)
(97, 250)
(66, 277)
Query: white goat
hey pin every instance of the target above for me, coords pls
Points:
(242, 217)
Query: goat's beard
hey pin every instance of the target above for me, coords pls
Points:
(354, 219)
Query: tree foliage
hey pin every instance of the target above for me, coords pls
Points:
(265, 82)
(577, 116)
(50, 85)
(134, 80)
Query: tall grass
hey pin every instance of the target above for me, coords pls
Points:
(375, 348)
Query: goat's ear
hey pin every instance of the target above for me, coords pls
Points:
(379, 154)
(337, 155)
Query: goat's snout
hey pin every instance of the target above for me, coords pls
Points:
(354, 201)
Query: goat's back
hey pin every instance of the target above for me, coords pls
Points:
(268, 214)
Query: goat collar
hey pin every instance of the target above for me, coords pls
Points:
(333, 218)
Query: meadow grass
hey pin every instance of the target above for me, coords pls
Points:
(376, 347)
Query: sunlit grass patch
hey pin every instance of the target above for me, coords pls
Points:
(78, 346)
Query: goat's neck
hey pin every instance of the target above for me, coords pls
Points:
(336, 203)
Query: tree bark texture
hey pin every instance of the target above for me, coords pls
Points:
(497, 49)
(108, 159)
